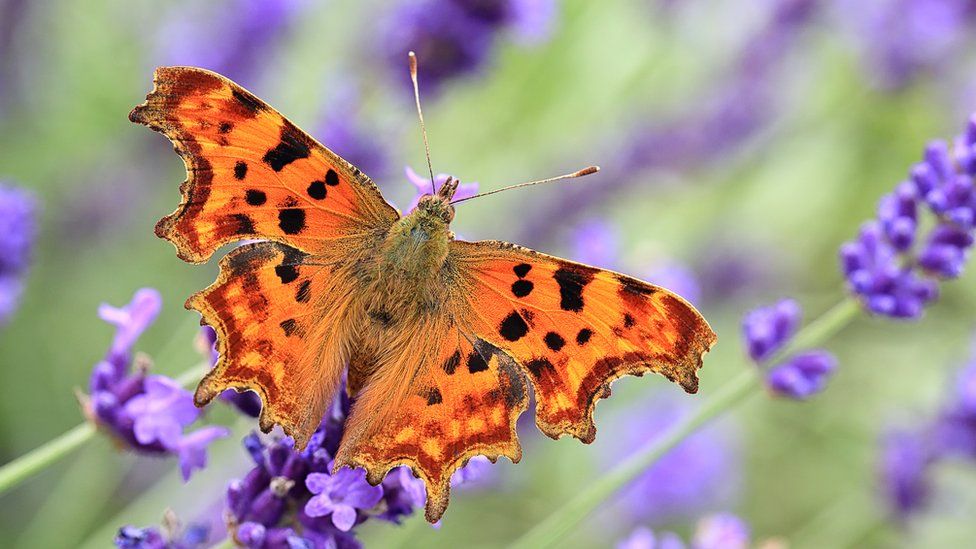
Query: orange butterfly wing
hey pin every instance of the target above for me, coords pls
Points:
(447, 397)
(574, 328)
(280, 307)
(252, 173)
(515, 316)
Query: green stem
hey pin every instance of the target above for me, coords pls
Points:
(548, 532)
(40, 458)
(17, 471)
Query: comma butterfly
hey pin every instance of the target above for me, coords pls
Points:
(441, 338)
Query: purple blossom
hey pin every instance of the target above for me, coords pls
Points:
(803, 375)
(766, 330)
(340, 495)
(718, 531)
(233, 37)
(146, 413)
(172, 535)
(644, 538)
(454, 38)
(698, 475)
(18, 228)
(902, 39)
(422, 186)
(721, 531)
(905, 463)
(893, 270)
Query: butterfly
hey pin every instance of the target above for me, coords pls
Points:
(441, 340)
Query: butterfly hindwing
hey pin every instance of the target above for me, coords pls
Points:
(252, 174)
(575, 328)
(440, 401)
(281, 322)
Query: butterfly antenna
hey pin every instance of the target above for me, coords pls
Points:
(585, 171)
(420, 114)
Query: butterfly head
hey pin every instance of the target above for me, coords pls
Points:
(439, 205)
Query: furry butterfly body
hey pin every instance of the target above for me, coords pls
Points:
(441, 339)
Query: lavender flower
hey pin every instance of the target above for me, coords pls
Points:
(803, 375)
(902, 39)
(422, 186)
(233, 43)
(698, 475)
(341, 495)
(18, 211)
(767, 330)
(453, 38)
(172, 535)
(906, 460)
(892, 269)
(293, 497)
(718, 531)
(145, 413)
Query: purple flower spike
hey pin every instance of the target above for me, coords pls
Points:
(161, 412)
(192, 448)
(18, 210)
(132, 319)
(906, 458)
(644, 538)
(721, 531)
(802, 376)
(422, 186)
(767, 329)
(341, 495)
(891, 269)
(130, 537)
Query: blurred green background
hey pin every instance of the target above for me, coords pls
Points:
(828, 140)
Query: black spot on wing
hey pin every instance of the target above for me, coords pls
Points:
(225, 127)
(287, 273)
(521, 288)
(243, 224)
(255, 197)
(249, 102)
(628, 320)
(434, 397)
(522, 269)
(304, 292)
(291, 220)
(381, 317)
(513, 327)
(292, 147)
(288, 326)
(634, 287)
(571, 280)
(331, 178)
(539, 366)
(476, 363)
(584, 336)
(452, 362)
(240, 170)
(554, 341)
(316, 190)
